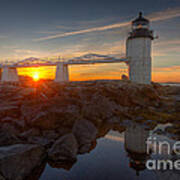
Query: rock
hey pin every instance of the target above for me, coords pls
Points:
(6, 138)
(50, 134)
(46, 143)
(64, 149)
(85, 132)
(45, 120)
(63, 130)
(119, 127)
(61, 165)
(114, 120)
(104, 129)
(19, 161)
(18, 123)
(98, 107)
(30, 133)
(2, 178)
(159, 132)
(11, 129)
(9, 110)
(54, 117)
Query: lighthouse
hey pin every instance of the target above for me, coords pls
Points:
(138, 50)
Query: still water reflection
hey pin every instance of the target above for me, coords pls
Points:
(120, 153)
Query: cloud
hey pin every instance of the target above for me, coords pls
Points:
(167, 42)
(103, 28)
(25, 53)
(167, 69)
(165, 15)
(156, 16)
(2, 37)
(167, 48)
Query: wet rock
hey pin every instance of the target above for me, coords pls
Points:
(118, 127)
(64, 149)
(85, 132)
(62, 165)
(104, 129)
(18, 161)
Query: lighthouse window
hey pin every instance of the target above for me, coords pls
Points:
(139, 26)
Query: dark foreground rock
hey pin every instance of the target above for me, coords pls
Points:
(85, 132)
(19, 161)
(65, 120)
(6, 138)
(64, 149)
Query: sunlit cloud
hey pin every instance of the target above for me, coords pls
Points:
(25, 53)
(103, 28)
(164, 15)
(2, 37)
(167, 42)
(156, 16)
(166, 69)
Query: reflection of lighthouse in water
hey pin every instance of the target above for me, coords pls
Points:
(135, 145)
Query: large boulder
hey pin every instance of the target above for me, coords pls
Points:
(18, 161)
(85, 133)
(64, 149)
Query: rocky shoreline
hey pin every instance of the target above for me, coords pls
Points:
(56, 122)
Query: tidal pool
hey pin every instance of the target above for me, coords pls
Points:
(117, 155)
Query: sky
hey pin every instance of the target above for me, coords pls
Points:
(69, 28)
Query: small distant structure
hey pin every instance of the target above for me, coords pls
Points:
(9, 75)
(124, 77)
(62, 72)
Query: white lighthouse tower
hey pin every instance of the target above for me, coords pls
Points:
(138, 51)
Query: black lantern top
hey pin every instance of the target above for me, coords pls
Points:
(140, 28)
(140, 20)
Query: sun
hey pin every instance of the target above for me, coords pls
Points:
(35, 76)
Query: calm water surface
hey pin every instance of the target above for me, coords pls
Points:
(114, 157)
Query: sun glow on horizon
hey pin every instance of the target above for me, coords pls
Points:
(36, 76)
(94, 72)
